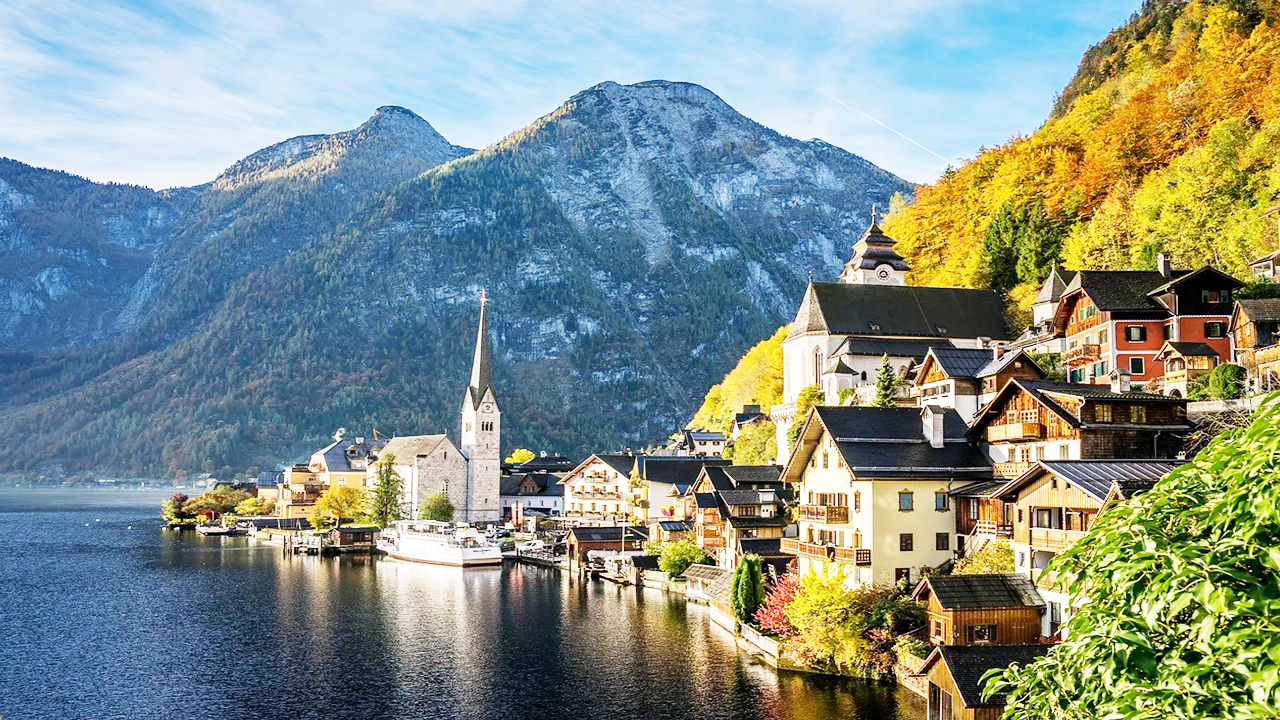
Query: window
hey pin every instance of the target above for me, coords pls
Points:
(901, 574)
(980, 634)
(857, 501)
(938, 629)
(857, 539)
(973, 508)
(942, 541)
(1138, 414)
(1135, 333)
(1137, 366)
(940, 704)
(1168, 332)
(906, 501)
(817, 364)
(1215, 329)
(1215, 296)
(939, 501)
(824, 459)
(1022, 559)
(1102, 336)
(906, 543)
(1102, 412)
(1064, 452)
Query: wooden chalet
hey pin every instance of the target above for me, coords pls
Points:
(1033, 420)
(1255, 328)
(1182, 362)
(735, 504)
(981, 609)
(954, 674)
(1054, 505)
(980, 516)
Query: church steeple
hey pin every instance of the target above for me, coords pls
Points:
(481, 363)
(874, 260)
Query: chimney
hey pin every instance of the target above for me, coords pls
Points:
(1120, 381)
(1164, 263)
(932, 420)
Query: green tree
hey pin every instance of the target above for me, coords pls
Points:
(757, 444)
(1226, 382)
(886, 384)
(173, 509)
(520, 456)
(1177, 591)
(809, 396)
(341, 502)
(219, 501)
(676, 556)
(255, 506)
(747, 591)
(436, 507)
(994, 558)
(384, 508)
(1259, 289)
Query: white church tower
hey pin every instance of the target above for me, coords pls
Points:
(482, 432)
(874, 260)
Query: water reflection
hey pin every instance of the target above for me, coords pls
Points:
(103, 621)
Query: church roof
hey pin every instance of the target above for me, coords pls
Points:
(1053, 286)
(875, 248)
(408, 447)
(481, 363)
(900, 310)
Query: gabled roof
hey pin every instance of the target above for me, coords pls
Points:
(704, 435)
(1044, 392)
(959, 362)
(335, 456)
(1185, 349)
(968, 663)
(270, 478)
(1261, 310)
(877, 347)
(764, 547)
(675, 525)
(705, 501)
(902, 310)
(741, 497)
(956, 592)
(674, 470)
(622, 463)
(1120, 290)
(980, 489)
(1095, 477)
(408, 447)
(753, 475)
(1179, 278)
(997, 365)
(889, 443)
(1053, 286)
(709, 573)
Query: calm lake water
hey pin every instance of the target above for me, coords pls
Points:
(105, 615)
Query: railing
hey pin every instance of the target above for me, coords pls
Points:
(596, 495)
(711, 541)
(1009, 470)
(991, 527)
(1053, 540)
(1015, 431)
(1252, 359)
(853, 556)
(825, 513)
(1082, 353)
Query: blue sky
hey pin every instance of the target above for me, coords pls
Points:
(169, 94)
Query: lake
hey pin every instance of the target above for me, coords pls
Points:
(104, 614)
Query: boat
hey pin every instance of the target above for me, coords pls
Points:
(219, 530)
(439, 543)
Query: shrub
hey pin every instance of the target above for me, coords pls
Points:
(676, 557)
(747, 591)
(771, 617)
(1226, 382)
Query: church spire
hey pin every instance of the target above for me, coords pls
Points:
(481, 364)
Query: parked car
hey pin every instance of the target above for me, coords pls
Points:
(507, 546)
(532, 546)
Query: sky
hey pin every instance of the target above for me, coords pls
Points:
(168, 94)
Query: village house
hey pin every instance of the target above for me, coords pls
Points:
(610, 539)
(955, 673)
(1041, 336)
(965, 379)
(981, 609)
(981, 517)
(1182, 363)
(344, 462)
(842, 330)
(660, 480)
(1255, 329)
(533, 491)
(1032, 420)
(268, 485)
(874, 489)
(1120, 319)
(750, 415)
(740, 509)
(1055, 502)
(701, 443)
(598, 491)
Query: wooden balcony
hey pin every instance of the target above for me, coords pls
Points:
(825, 513)
(852, 556)
(1010, 470)
(1252, 359)
(1082, 354)
(993, 528)
(1054, 540)
(711, 541)
(1014, 432)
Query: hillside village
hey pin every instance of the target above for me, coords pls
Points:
(919, 436)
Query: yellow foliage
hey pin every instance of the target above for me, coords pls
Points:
(756, 380)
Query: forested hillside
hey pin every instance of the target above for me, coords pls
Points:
(1167, 139)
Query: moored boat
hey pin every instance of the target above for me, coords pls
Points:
(439, 543)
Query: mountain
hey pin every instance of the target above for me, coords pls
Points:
(634, 242)
(1166, 139)
(71, 252)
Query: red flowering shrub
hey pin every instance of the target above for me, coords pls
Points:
(772, 615)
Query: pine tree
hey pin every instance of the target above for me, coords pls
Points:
(886, 384)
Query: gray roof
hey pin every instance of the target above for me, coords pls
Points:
(335, 454)
(481, 363)
(1122, 290)
(675, 525)
(961, 362)
(877, 347)
(1096, 477)
(906, 310)
(968, 663)
(675, 470)
(408, 447)
(740, 497)
(754, 475)
(1261, 310)
(875, 248)
(1053, 286)
(270, 478)
(706, 572)
(998, 364)
(1190, 349)
(956, 592)
(980, 489)
(764, 547)
(705, 501)
(889, 443)
(608, 533)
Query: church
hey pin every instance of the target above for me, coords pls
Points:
(467, 473)
(843, 329)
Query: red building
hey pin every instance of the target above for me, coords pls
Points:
(1121, 319)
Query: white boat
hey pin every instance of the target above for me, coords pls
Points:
(439, 543)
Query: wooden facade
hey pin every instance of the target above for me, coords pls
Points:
(977, 626)
(954, 679)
